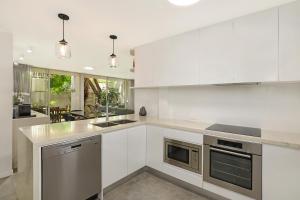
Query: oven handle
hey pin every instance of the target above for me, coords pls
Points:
(230, 152)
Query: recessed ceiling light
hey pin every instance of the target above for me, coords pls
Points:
(21, 58)
(16, 63)
(29, 50)
(183, 2)
(89, 68)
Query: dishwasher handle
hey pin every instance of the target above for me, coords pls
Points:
(76, 146)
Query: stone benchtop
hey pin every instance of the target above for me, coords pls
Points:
(47, 134)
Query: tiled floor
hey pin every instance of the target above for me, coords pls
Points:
(8, 189)
(145, 186)
(148, 187)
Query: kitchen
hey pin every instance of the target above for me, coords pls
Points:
(220, 120)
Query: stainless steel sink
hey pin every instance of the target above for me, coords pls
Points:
(114, 123)
(106, 124)
(123, 121)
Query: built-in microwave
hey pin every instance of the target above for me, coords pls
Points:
(184, 155)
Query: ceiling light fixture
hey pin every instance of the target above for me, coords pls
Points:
(29, 50)
(113, 56)
(89, 68)
(183, 2)
(21, 57)
(62, 48)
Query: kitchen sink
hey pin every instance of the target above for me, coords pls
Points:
(106, 124)
(124, 121)
(114, 123)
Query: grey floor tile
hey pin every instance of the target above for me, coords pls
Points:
(145, 186)
(148, 187)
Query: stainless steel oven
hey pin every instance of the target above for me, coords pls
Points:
(233, 165)
(182, 154)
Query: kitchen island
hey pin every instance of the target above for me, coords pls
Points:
(36, 118)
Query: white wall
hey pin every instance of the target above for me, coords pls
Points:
(272, 106)
(148, 98)
(6, 91)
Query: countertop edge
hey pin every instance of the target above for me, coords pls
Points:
(189, 126)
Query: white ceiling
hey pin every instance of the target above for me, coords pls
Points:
(34, 23)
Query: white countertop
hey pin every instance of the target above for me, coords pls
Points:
(43, 135)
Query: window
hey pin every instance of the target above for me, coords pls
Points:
(60, 91)
(117, 92)
(39, 94)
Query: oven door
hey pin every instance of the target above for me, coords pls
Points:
(236, 171)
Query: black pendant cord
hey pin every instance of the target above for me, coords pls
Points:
(64, 18)
(113, 37)
(63, 30)
(113, 47)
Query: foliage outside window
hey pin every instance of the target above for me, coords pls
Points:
(60, 84)
(60, 90)
(113, 97)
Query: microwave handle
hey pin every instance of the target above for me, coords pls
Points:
(230, 152)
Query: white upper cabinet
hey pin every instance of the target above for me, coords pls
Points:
(168, 62)
(177, 64)
(289, 42)
(256, 41)
(216, 55)
(144, 65)
(241, 50)
(237, 51)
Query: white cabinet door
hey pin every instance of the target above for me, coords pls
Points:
(216, 54)
(280, 173)
(177, 63)
(256, 43)
(154, 147)
(114, 157)
(144, 66)
(289, 42)
(136, 146)
(168, 62)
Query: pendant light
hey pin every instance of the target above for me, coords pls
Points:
(113, 56)
(62, 48)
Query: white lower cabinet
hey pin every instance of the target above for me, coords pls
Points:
(155, 152)
(155, 147)
(114, 157)
(126, 151)
(281, 173)
(123, 152)
(136, 147)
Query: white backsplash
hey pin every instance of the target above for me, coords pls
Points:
(269, 106)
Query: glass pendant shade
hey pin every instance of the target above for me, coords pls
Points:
(113, 61)
(63, 49)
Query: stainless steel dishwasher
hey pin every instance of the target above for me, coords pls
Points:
(72, 171)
